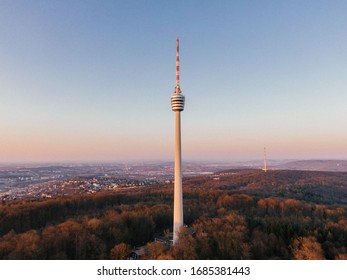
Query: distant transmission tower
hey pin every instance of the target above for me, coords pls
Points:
(265, 168)
(177, 104)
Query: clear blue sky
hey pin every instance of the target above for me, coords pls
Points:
(92, 80)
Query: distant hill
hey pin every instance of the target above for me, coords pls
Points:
(321, 187)
(315, 165)
(305, 165)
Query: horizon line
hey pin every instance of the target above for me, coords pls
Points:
(165, 160)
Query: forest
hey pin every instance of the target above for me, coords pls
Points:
(234, 214)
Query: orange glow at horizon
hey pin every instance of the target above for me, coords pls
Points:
(83, 146)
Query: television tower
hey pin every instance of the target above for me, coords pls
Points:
(265, 168)
(177, 104)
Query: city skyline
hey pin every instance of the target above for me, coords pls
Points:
(75, 78)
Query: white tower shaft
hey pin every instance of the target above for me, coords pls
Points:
(177, 104)
(178, 196)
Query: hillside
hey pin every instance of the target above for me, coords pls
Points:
(328, 188)
(315, 165)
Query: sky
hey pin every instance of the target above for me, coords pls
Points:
(92, 80)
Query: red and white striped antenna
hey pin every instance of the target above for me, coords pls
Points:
(177, 88)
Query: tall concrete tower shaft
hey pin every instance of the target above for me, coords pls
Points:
(177, 104)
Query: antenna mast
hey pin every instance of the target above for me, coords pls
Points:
(177, 88)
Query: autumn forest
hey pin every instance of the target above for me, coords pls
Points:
(234, 214)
